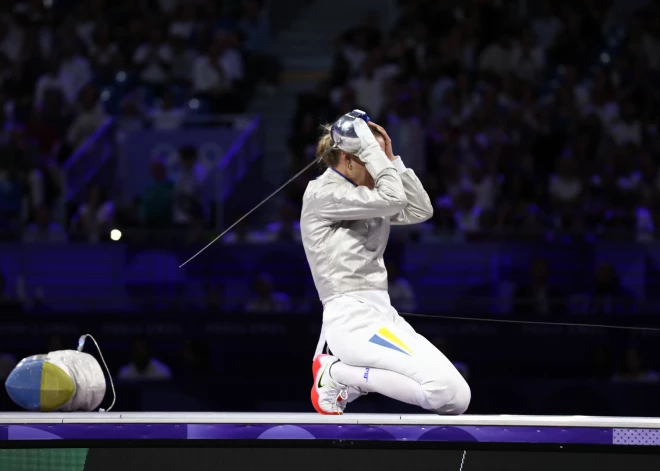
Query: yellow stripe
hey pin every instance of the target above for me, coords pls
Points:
(384, 332)
(56, 387)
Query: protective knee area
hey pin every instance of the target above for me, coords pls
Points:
(449, 396)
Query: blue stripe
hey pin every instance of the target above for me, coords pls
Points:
(384, 343)
(343, 176)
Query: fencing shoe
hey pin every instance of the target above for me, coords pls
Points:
(328, 396)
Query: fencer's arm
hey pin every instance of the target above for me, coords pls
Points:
(419, 207)
(341, 202)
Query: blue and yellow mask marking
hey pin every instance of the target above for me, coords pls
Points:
(37, 385)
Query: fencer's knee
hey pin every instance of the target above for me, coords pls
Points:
(448, 395)
(461, 400)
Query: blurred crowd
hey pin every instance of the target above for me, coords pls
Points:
(68, 65)
(521, 123)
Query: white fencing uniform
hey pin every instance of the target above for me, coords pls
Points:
(345, 229)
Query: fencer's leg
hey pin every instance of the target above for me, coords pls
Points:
(443, 392)
(322, 348)
(387, 383)
(328, 395)
(354, 394)
(431, 381)
(446, 373)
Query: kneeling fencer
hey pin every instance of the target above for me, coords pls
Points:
(365, 346)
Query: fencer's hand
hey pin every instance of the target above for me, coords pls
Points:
(388, 142)
(367, 138)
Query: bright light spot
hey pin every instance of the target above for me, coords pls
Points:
(120, 77)
(105, 95)
(194, 104)
(605, 58)
(115, 234)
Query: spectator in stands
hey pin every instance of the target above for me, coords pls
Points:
(528, 59)
(188, 204)
(19, 87)
(157, 205)
(166, 115)
(131, 117)
(50, 54)
(547, 26)
(406, 128)
(265, 299)
(210, 80)
(44, 229)
(444, 221)
(520, 192)
(143, 365)
(15, 163)
(534, 92)
(94, 219)
(369, 85)
(498, 57)
(650, 183)
(302, 144)
(645, 219)
(153, 60)
(183, 62)
(287, 226)
(239, 235)
(6, 115)
(75, 70)
(11, 198)
(566, 189)
(628, 129)
(90, 118)
(11, 39)
(468, 213)
(232, 65)
(255, 28)
(184, 25)
(49, 80)
(103, 50)
(48, 125)
(485, 185)
(354, 50)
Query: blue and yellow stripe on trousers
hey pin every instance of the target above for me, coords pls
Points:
(385, 338)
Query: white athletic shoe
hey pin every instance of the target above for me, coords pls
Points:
(328, 396)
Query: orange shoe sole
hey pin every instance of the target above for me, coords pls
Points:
(316, 366)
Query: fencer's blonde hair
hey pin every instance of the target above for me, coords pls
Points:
(331, 159)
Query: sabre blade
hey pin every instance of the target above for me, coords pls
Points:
(314, 162)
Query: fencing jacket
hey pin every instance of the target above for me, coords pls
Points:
(345, 227)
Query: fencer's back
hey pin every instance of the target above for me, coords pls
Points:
(343, 255)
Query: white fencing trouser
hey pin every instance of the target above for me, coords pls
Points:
(380, 352)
